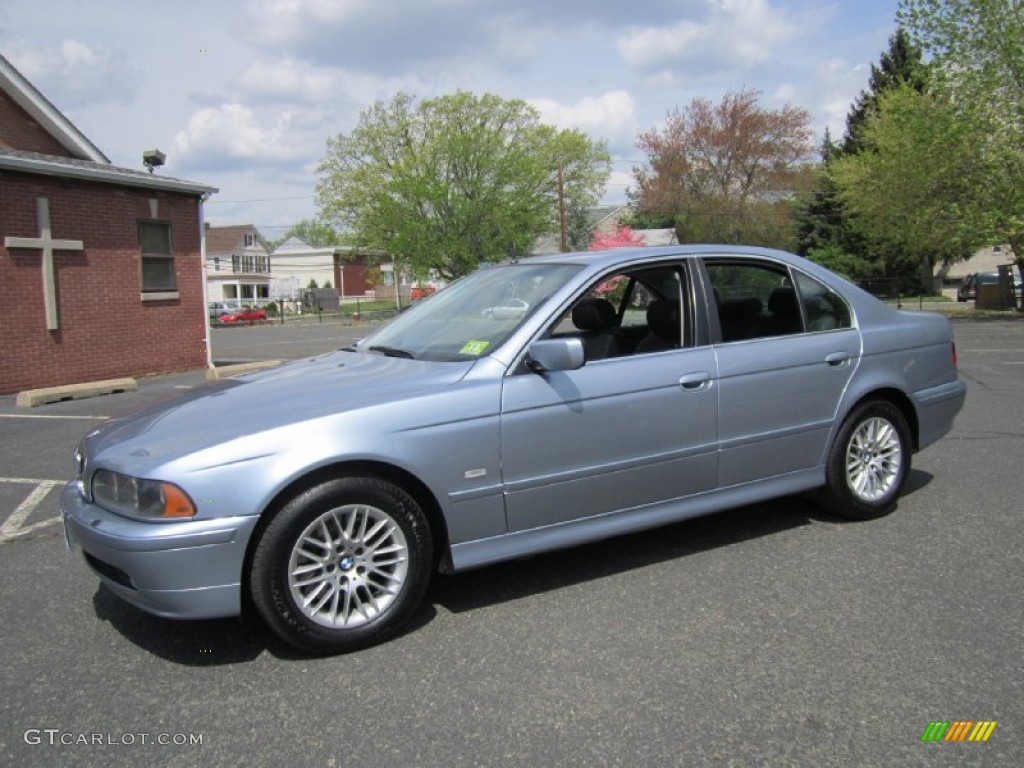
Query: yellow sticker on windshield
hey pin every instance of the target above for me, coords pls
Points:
(474, 347)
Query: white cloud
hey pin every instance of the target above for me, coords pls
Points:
(77, 74)
(735, 33)
(291, 79)
(230, 136)
(610, 116)
(281, 22)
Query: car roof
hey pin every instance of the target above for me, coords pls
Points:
(612, 256)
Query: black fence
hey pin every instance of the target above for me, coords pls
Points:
(900, 287)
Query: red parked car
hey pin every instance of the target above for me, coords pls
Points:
(246, 315)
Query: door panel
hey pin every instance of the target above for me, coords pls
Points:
(778, 399)
(615, 434)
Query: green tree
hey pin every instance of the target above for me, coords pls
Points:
(977, 63)
(727, 172)
(912, 194)
(578, 233)
(450, 182)
(314, 231)
(824, 233)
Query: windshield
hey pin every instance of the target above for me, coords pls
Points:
(472, 316)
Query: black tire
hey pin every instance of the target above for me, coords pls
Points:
(371, 578)
(868, 463)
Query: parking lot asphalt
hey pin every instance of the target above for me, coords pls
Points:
(768, 635)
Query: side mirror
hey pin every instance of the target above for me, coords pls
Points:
(555, 355)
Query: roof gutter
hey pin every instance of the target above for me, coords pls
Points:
(111, 176)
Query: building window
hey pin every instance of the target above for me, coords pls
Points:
(216, 263)
(236, 263)
(157, 257)
(250, 240)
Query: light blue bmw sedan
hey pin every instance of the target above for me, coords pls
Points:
(530, 406)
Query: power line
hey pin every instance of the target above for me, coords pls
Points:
(264, 199)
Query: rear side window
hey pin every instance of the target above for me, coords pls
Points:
(824, 309)
(754, 299)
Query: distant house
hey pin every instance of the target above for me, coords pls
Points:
(984, 260)
(101, 266)
(294, 263)
(237, 265)
(606, 219)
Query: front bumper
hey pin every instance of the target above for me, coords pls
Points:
(184, 570)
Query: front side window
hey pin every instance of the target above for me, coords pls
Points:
(471, 317)
(157, 257)
(631, 312)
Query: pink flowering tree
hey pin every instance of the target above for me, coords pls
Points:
(622, 237)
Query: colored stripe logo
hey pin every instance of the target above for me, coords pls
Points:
(958, 730)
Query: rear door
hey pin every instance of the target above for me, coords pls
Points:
(786, 351)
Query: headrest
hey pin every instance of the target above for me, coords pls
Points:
(782, 301)
(663, 318)
(735, 309)
(594, 315)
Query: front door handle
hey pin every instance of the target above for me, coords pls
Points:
(695, 382)
(838, 359)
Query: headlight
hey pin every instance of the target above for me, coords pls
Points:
(80, 470)
(136, 497)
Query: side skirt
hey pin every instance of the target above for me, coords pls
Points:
(473, 554)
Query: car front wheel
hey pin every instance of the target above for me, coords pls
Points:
(868, 463)
(343, 565)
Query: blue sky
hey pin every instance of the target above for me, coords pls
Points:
(243, 94)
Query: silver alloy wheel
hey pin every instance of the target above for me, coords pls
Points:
(874, 459)
(348, 566)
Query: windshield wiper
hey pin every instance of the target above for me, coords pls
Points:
(392, 352)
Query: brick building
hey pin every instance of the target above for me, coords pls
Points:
(101, 267)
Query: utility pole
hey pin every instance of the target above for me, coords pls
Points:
(561, 207)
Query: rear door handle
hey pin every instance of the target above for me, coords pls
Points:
(838, 359)
(694, 382)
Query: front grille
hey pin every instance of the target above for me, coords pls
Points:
(112, 572)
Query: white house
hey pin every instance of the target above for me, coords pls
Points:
(237, 265)
(294, 263)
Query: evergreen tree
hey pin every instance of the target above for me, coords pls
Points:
(900, 64)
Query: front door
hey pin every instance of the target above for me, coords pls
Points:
(629, 430)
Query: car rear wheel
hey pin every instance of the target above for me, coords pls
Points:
(868, 462)
(343, 565)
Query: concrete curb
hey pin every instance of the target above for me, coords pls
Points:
(31, 398)
(227, 371)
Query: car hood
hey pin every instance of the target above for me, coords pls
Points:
(300, 391)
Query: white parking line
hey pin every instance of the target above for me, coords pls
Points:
(48, 416)
(15, 524)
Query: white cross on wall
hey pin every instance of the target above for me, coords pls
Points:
(48, 246)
